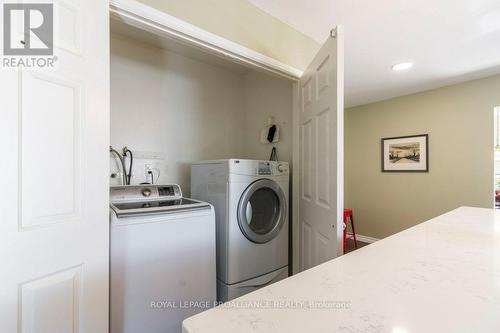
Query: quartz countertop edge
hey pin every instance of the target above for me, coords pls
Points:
(442, 275)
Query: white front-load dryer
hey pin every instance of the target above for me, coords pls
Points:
(251, 200)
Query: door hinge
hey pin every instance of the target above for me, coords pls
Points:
(333, 32)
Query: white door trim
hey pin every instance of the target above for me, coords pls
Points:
(338, 33)
(295, 179)
(160, 23)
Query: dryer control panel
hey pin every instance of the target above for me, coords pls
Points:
(264, 169)
(258, 168)
(272, 168)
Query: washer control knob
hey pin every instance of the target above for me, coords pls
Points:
(146, 192)
(281, 168)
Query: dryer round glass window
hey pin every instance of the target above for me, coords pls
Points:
(262, 211)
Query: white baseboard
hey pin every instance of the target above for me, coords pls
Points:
(366, 239)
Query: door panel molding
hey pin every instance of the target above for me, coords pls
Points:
(60, 291)
(69, 10)
(37, 173)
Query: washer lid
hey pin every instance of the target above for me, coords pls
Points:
(151, 199)
(262, 211)
(157, 207)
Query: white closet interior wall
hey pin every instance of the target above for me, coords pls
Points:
(191, 110)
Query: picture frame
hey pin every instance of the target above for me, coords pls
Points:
(405, 153)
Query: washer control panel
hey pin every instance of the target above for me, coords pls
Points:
(126, 193)
(169, 191)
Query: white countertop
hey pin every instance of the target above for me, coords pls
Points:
(439, 276)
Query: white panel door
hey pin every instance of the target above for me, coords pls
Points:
(54, 141)
(321, 124)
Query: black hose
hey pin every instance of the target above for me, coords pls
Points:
(126, 152)
(131, 163)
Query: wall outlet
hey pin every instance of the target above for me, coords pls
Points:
(147, 169)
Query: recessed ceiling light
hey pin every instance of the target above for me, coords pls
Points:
(399, 330)
(402, 66)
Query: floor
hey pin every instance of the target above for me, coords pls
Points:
(351, 247)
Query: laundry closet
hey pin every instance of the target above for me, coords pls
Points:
(173, 105)
(180, 94)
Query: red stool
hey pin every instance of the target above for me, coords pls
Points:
(349, 217)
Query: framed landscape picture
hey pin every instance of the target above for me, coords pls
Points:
(406, 154)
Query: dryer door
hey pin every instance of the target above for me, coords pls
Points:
(262, 211)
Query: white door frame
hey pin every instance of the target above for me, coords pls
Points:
(295, 180)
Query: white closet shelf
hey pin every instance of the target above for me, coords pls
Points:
(145, 23)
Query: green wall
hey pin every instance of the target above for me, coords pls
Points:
(245, 24)
(459, 121)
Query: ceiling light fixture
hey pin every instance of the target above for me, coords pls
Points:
(399, 330)
(402, 66)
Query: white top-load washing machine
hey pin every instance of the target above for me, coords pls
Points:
(162, 258)
(251, 206)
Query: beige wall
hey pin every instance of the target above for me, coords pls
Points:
(243, 23)
(189, 110)
(168, 103)
(459, 121)
(266, 96)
